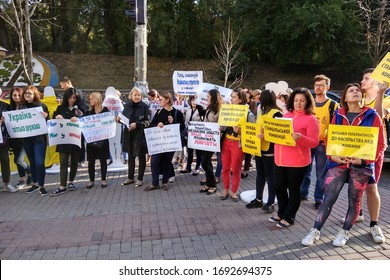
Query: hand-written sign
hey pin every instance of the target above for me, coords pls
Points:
(98, 127)
(204, 136)
(250, 143)
(25, 123)
(113, 104)
(232, 115)
(352, 141)
(278, 130)
(187, 82)
(63, 131)
(162, 140)
(201, 96)
(382, 71)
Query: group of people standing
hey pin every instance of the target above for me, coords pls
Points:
(285, 169)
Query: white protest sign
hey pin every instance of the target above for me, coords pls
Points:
(154, 106)
(187, 82)
(201, 96)
(112, 101)
(204, 136)
(1, 138)
(98, 127)
(124, 120)
(162, 140)
(25, 123)
(63, 131)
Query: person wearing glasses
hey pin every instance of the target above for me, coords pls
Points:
(324, 109)
(16, 144)
(35, 146)
(70, 109)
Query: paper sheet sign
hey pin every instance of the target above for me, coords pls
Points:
(278, 130)
(382, 71)
(352, 141)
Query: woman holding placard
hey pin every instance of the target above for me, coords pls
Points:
(342, 169)
(35, 146)
(70, 109)
(16, 96)
(212, 114)
(231, 151)
(165, 116)
(134, 142)
(99, 149)
(291, 162)
(265, 163)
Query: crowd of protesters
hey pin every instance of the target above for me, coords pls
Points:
(286, 169)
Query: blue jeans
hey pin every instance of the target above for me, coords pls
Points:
(319, 154)
(36, 153)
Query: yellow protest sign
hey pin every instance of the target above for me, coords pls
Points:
(250, 143)
(382, 71)
(352, 141)
(232, 114)
(278, 130)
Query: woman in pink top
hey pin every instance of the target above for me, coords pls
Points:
(291, 162)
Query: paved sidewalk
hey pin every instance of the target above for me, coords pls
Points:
(121, 222)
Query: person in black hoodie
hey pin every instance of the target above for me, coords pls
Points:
(134, 142)
(70, 109)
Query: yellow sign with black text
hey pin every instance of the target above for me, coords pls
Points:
(278, 130)
(352, 141)
(232, 114)
(250, 143)
(382, 71)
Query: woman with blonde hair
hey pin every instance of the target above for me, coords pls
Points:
(134, 142)
(99, 149)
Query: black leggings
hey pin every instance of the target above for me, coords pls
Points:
(103, 169)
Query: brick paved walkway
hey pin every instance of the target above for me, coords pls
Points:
(121, 222)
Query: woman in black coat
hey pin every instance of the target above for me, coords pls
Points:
(70, 109)
(134, 142)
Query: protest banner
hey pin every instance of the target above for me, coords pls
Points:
(250, 143)
(64, 131)
(278, 130)
(204, 136)
(25, 123)
(187, 82)
(98, 127)
(352, 141)
(161, 140)
(201, 95)
(154, 106)
(232, 114)
(382, 72)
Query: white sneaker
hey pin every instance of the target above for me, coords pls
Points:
(171, 180)
(359, 219)
(341, 238)
(11, 188)
(311, 237)
(377, 234)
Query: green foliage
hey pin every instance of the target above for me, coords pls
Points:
(284, 32)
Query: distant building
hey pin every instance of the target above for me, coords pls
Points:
(3, 52)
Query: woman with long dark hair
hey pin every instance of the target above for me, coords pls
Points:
(70, 109)
(212, 114)
(16, 96)
(265, 163)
